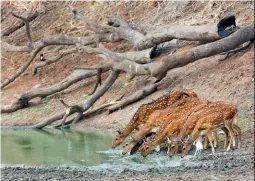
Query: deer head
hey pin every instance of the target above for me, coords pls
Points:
(186, 145)
(191, 93)
(146, 147)
(128, 146)
(173, 146)
(119, 138)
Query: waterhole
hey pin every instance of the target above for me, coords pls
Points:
(90, 148)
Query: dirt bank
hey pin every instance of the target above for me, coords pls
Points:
(232, 80)
(207, 167)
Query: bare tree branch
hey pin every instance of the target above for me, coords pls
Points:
(91, 111)
(134, 97)
(99, 72)
(38, 46)
(21, 24)
(23, 68)
(26, 21)
(120, 28)
(180, 59)
(116, 104)
(231, 52)
(116, 61)
(95, 27)
(24, 98)
(13, 48)
(75, 108)
(84, 105)
(53, 59)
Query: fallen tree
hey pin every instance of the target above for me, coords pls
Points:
(134, 63)
(116, 30)
(23, 99)
(83, 106)
(159, 70)
(10, 30)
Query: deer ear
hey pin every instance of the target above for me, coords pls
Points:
(137, 129)
(132, 138)
(168, 140)
(118, 131)
(179, 140)
(189, 138)
(144, 139)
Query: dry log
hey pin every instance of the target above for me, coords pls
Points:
(116, 104)
(83, 105)
(90, 112)
(134, 97)
(20, 25)
(180, 59)
(39, 45)
(120, 28)
(24, 98)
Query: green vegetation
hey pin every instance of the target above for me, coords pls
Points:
(18, 115)
(39, 109)
(85, 96)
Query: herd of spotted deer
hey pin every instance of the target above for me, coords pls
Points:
(180, 118)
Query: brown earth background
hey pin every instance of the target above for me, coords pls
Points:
(231, 79)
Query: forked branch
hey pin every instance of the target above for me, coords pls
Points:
(24, 98)
(83, 105)
(26, 21)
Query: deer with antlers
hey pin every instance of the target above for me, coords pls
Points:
(171, 127)
(158, 117)
(142, 114)
(225, 117)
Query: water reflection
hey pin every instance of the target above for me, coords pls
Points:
(55, 147)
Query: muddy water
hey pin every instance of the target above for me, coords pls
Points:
(89, 148)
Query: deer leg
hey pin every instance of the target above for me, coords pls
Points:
(195, 135)
(214, 137)
(238, 130)
(196, 152)
(225, 130)
(205, 145)
(228, 125)
(209, 135)
(157, 149)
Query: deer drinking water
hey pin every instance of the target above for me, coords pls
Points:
(158, 117)
(219, 118)
(171, 127)
(142, 114)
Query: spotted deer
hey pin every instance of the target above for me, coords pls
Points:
(226, 117)
(142, 114)
(191, 122)
(170, 127)
(158, 117)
